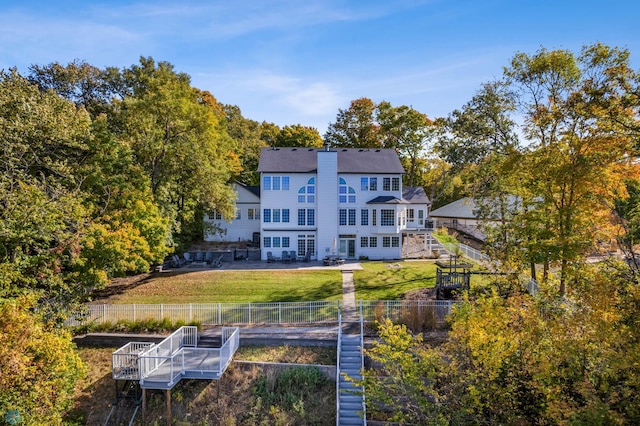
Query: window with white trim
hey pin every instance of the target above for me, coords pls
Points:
(364, 242)
(395, 184)
(306, 193)
(275, 183)
(342, 217)
(386, 184)
(395, 241)
(364, 217)
(387, 217)
(368, 184)
(373, 242)
(386, 242)
(352, 217)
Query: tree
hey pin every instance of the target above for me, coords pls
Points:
(38, 365)
(407, 131)
(181, 143)
(298, 135)
(247, 135)
(580, 154)
(355, 127)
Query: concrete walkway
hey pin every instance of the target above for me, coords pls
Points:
(349, 310)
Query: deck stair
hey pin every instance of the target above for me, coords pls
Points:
(350, 398)
(179, 356)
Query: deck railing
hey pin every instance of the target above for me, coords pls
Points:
(125, 360)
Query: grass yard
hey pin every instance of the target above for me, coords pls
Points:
(234, 286)
(390, 280)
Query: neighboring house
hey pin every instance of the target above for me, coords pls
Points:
(247, 219)
(343, 202)
(463, 215)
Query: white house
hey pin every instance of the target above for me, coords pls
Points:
(344, 202)
(246, 222)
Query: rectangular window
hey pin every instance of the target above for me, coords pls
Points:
(285, 242)
(373, 184)
(275, 183)
(343, 217)
(301, 246)
(373, 217)
(301, 198)
(364, 217)
(352, 217)
(238, 214)
(395, 184)
(301, 217)
(276, 215)
(276, 242)
(342, 199)
(285, 215)
(266, 214)
(266, 183)
(410, 215)
(395, 241)
(364, 241)
(387, 217)
(386, 184)
(285, 183)
(311, 217)
(266, 242)
(364, 184)
(373, 242)
(386, 241)
(251, 214)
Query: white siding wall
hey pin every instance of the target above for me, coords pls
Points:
(238, 229)
(327, 201)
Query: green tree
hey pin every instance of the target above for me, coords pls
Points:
(247, 135)
(38, 365)
(407, 131)
(298, 135)
(355, 127)
(181, 143)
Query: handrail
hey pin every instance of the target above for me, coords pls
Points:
(338, 369)
(364, 407)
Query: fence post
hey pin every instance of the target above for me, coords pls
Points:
(249, 312)
(161, 311)
(190, 312)
(134, 312)
(219, 313)
(104, 313)
(279, 312)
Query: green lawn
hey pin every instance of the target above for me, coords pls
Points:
(390, 280)
(236, 286)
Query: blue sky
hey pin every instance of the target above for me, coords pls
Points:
(299, 61)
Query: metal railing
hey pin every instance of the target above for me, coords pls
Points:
(434, 311)
(364, 405)
(124, 361)
(213, 313)
(468, 252)
(338, 350)
(167, 362)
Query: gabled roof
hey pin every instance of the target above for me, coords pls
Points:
(350, 160)
(415, 195)
(463, 208)
(387, 199)
(255, 190)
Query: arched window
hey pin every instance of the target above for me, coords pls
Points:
(345, 193)
(307, 193)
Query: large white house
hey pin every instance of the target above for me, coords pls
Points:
(344, 202)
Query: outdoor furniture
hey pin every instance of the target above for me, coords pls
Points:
(285, 257)
(187, 257)
(199, 256)
(294, 257)
(208, 257)
(307, 257)
(217, 263)
(270, 258)
(332, 260)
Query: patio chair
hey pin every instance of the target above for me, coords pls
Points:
(270, 258)
(307, 257)
(294, 257)
(187, 257)
(208, 257)
(199, 257)
(285, 257)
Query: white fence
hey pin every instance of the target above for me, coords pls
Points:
(214, 313)
(468, 252)
(433, 312)
(262, 313)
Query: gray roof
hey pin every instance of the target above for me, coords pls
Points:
(387, 199)
(350, 160)
(463, 208)
(415, 195)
